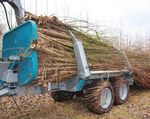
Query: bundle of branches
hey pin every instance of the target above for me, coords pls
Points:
(141, 67)
(142, 76)
(56, 55)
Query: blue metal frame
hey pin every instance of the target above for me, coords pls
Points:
(17, 43)
(80, 84)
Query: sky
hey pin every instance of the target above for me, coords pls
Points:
(131, 16)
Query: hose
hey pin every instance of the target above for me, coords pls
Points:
(6, 15)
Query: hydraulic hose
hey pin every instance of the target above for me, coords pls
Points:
(6, 15)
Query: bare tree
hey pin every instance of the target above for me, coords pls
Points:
(0, 30)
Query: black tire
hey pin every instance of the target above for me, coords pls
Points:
(117, 86)
(93, 97)
(62, 95)
(80, 94)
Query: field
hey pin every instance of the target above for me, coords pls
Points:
(43, 107)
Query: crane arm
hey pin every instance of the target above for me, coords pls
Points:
(19, 12)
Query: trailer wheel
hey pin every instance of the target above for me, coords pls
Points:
(121, 91)
(62, 95)
(80, 93)
(99, 97)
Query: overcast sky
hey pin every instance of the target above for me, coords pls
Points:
(130, 15)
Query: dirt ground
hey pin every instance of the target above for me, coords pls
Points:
(43, 107)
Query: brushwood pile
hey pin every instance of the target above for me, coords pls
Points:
(56, 56)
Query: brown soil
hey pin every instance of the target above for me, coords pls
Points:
(43, 107)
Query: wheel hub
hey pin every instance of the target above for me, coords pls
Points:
(106, 98)
(123, 92)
